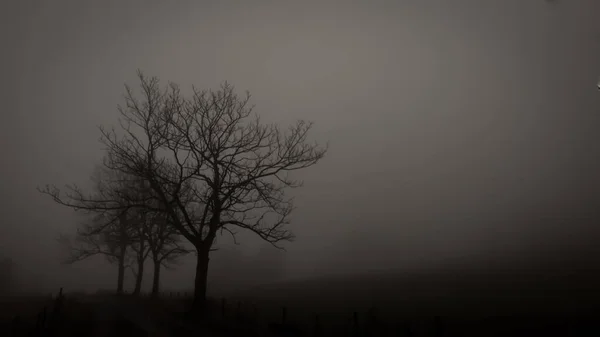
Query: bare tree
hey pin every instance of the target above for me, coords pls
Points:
(141, 226)
(140, 249)
(154, 236)
(211, 163)
(111, 230)
(165, 246)
(123, 226)
(101, 235)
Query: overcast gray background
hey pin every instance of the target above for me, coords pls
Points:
(463, 130)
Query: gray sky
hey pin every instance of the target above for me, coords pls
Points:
(463, 129)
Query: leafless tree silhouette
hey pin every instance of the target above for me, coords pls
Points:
(124, 232)
(100, 236)
(165, 246)
(212, 165)
(109, 230)
(140, 224)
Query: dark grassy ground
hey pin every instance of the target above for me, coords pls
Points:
(24, 305)
(469, 303)
(262, 316)
(21, 317)
(449, 294)
(401, 304)
(20, 312)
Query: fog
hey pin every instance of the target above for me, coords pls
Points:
(462, 133)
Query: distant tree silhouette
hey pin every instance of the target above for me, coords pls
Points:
(140, 226)
(212, 165)
(164, 244)
(107, 232)
(99, 236)
(118, 228)
(153, 235)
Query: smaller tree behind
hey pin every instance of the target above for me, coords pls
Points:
(164, 244)
(112, 226)
(140, 226)
(101, 235)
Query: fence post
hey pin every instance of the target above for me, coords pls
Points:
(53, 323)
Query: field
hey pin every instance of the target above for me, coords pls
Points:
(65, 317)
(23, 305)
(417, 304)
(469, 303)
(466, 301)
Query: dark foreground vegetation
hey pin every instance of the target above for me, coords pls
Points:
(370, 305)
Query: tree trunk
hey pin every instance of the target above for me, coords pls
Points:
(139, 277)
(121, 272)
(200, 283)
(123, 242)
(156, 280)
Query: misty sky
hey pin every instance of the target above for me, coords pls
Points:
(464, 129)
